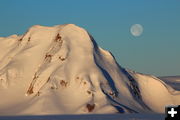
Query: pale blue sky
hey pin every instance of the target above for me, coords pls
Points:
(156, 51)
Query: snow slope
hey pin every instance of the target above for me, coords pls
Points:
(61, 70)
(173, 81)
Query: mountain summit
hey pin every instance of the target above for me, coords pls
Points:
(62, 70)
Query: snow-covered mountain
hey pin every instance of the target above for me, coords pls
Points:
(62, 70)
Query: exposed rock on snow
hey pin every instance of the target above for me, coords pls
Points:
(61, 70)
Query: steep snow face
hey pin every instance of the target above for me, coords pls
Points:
(61, 70)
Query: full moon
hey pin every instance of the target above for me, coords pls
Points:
(136, 30)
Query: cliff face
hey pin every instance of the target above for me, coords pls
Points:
(61, 70)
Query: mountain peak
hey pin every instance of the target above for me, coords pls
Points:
(62, 70)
